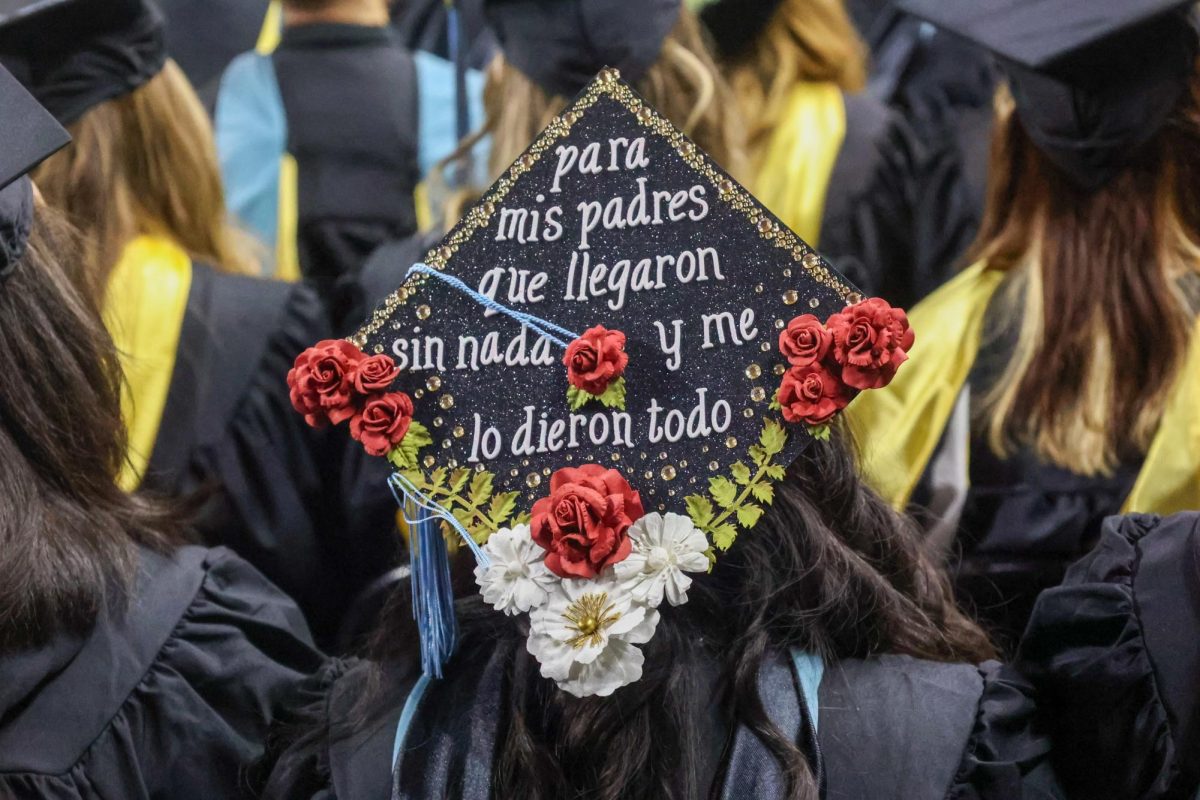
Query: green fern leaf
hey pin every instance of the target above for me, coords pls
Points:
(577, 398)
(749, 515)
(763, 493)
(700, 509)
(614, 395)
(741, 473)
(724, 535)
(723, 491)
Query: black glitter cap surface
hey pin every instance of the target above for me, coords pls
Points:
(714, 267)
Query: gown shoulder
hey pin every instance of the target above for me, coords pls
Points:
(171, 697)
(1114, 652)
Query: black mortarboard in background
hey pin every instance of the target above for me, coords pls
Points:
(1093, 80)
(735, 24)
(75, 54)
(561, 44)
(30, 136)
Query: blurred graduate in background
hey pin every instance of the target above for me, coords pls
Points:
(120, 648)
(326, 138)
(1059, 378)
(833, 161)
(205, 347)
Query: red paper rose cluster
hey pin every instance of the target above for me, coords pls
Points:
(584, 523)
(334, 381)
(858, 348)
(596, 359)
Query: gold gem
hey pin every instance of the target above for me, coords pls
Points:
(429, 461)
(683, 464)
(748, 413)
(644, 114)
(753, 372)
(546, 471)
(662, 456)
(513, 472)
(452, 463)
(779, 369)
(726, 186)
(853, 297)
(488, 208)
(527, 161)
(433, 383)
(813, 303)
(787, 273)
(759, 288)
(419, 393)
(649, 475)
(714, 466)
(445, 252)
(438, 422)
(812, 260)
(423, 312)
(791, 297)
(764, 225)
(758, 394)
(687, 148)
(731, 442)
(378, 349)
(446, 402)
(765, 347)
(780, 324)
(533, 480)
(616, 456)
(479, 467)
(459, 431)
(590, 615)
(668, 473)
(445, 444)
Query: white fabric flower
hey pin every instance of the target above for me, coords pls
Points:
(584, 636)
(664, 548)
(517, 580)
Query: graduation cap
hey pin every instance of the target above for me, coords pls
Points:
(30, 136)
(1093, 80)
(561, 44)
(595, 380)
(75, 54)
(735, 24)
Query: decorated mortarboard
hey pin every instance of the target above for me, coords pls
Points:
(75, 54)
(31, 135)
(1093, 80)
(595, 381)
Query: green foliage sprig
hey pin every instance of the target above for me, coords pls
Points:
(471, 497)
(404, 455)
(613, 397)
(738, 500)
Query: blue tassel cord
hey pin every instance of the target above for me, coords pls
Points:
(433, 597)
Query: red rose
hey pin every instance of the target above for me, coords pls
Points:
(584, 523)
(812, 394)
(596, 359)
(804, 341)
(375, 374)
(870, 340)
(383, 422)
(321, 381)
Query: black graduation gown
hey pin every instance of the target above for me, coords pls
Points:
(1115, 655)
(350, 98)
(203, 36)
(934, 731)
(171, 698)
(300, 504)
(898, 212)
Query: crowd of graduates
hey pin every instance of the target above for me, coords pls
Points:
(996, 556)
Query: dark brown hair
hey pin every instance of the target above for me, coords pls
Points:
(1095, 288)
(68, 534)
(830, 568)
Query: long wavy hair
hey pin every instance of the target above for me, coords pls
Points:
(683, 85)
(1096, 288)
(806, 41)
(830, 568)
(68, 534)
(146, 163)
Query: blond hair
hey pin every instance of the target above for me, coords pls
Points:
(146, 163)
(683, 85)
(1102, 322)
(810, 41)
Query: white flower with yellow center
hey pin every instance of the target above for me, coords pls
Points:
(584, 636)
(517, 580)
(664, 548)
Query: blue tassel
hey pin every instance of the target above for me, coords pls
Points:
(433, 596)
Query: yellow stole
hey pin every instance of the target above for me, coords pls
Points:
(899, 427)
(143, 310)
(792, 171)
